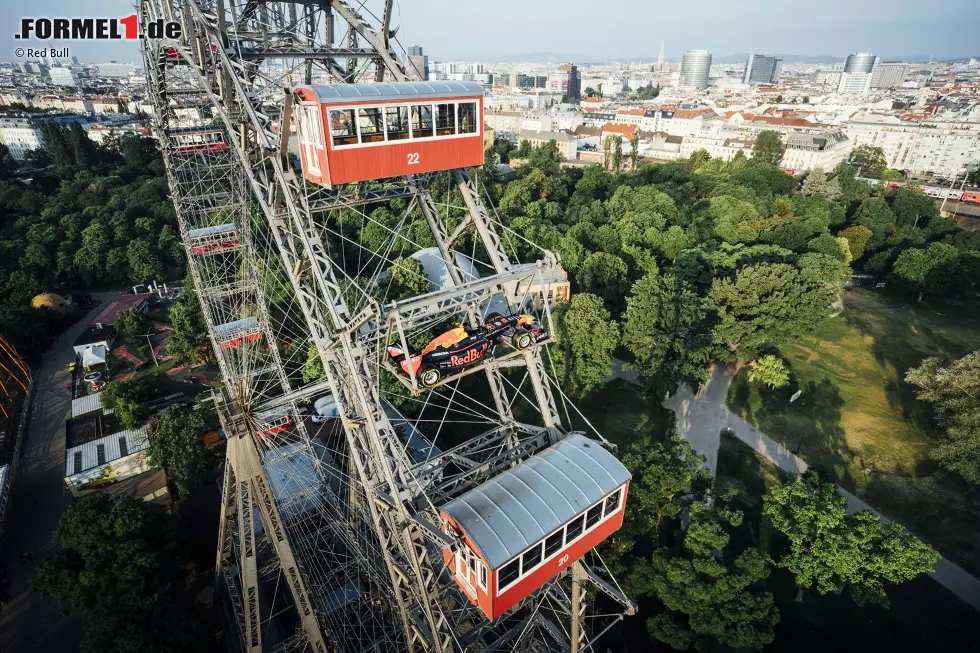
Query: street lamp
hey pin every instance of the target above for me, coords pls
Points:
(152, 353)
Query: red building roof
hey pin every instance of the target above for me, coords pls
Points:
(626, 131)
(109, 313)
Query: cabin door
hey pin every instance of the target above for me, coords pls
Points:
(466, 568)
(311, 137)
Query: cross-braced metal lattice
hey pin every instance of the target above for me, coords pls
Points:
(328, 536)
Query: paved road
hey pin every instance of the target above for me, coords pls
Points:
(39, 497)
(701, 419)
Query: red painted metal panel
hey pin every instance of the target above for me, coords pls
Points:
(480, 598)
(555, 566)
(235, 342)
(392, 159)
(277, 428)
(234, 243)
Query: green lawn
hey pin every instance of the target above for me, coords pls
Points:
(858, 421)
(923, 616)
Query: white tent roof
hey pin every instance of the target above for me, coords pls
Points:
(94, 355)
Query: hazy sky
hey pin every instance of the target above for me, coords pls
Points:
(458, 29)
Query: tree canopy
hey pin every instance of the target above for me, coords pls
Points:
(953, 388)
(131, 322)
(713, 597)
(830, 550)
(769, 370)
(91, 216)
(188, 336)
(128, 398)
(768, 147)
(587, 336)
(175, 445)
(117, 563)
(869, 160)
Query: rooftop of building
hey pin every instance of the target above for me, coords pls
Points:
(692, 114)
(621, 129)
(93, 334)
(88, 404)
(582, 130)
(89, 427)
(124, 302)
(559, 136)
(100, 451)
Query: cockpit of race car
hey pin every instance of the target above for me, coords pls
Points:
(462, 347)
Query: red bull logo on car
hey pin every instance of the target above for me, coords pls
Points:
(469, 357)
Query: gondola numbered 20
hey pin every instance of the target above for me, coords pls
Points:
(520, 529)
(349, 133)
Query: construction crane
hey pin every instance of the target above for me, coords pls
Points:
(336, 533)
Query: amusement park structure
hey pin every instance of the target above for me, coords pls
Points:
(304, 168)
(15, 377)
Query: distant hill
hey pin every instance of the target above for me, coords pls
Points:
(582, 59)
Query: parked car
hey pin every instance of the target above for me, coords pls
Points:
(463, 347)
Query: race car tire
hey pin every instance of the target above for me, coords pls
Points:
(522, 340)
(428, 378)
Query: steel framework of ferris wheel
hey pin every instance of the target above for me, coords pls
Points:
(329, 536)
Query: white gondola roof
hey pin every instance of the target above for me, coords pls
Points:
(526, 503)
(344, 93)
(245, 322)
(208, 231)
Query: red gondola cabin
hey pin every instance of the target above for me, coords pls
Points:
(237, 333)
(210, 240)
(197, 140)
(273, 422)
(359, 132)
(527, 525)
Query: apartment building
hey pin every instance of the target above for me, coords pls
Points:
(929, 147)
(806, 151)
(19, 135)
(567, 143)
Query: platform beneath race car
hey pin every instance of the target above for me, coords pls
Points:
(488, 362)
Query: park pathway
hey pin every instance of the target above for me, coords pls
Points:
(39, 497)
(702, 417)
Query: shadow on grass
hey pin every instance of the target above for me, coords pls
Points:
(809, 427)
(905, 332)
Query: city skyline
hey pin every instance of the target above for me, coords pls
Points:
(838, 29)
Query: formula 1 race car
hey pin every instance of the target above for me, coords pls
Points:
(463, 347)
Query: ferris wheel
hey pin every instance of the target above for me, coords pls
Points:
(400, 472)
